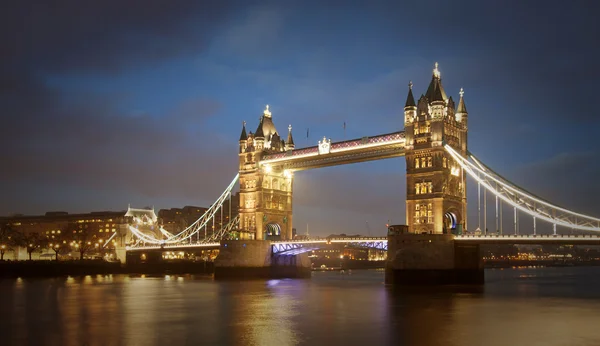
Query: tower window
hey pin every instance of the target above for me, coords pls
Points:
(445, 162)
(423, 188)
(417, 163)
(429, 161)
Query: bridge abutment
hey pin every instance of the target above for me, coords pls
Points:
(432, 259)
(253, 259)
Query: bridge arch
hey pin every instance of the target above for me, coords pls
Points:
(272, 231)
(452, 221)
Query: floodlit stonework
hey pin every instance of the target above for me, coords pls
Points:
(436, 199)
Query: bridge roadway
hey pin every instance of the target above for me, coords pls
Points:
(298, 246)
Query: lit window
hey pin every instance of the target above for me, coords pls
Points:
(429, 161)
(417, 188)
(445, 163)
(417, 163)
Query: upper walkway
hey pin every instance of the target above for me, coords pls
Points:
(338, 153)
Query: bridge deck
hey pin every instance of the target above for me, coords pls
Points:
(472, 239)
(529, 239)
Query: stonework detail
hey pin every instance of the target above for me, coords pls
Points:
(436, 201)
(265, 191)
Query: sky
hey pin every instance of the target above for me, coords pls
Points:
(110, 103)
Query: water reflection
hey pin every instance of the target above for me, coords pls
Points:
(549, 306)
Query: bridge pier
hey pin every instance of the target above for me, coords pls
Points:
(254, 259)
(432, 259)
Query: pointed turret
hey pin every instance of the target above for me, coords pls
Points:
(243, 136)
(410, 99)
(410, 109)
(461, 104)
(461, 112)
(259, 130)
(435, 91)
(289, 144)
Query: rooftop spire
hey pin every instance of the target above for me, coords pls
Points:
(290, 139)
(435, 91)
(461, 104)
(259, 131)
(267, 112)
(243, 136)
(410, 100)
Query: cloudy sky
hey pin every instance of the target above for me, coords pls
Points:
(105, 103)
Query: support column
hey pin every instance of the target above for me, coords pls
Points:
(432, 259)
(515, 218)
(485, 211)
(259, 226)
(496, 214)
(479, 205)
(289, 227)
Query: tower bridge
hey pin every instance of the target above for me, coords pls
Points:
(438, 162)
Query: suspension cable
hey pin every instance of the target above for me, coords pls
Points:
(522, 200)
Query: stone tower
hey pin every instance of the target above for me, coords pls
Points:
(436, 199)
(265, 191)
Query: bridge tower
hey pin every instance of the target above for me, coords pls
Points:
(436, 201)
(265, 191)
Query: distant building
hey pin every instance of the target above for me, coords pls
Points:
(175, 220)
(98, 227)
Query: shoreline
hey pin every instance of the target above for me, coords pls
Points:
(42, 269)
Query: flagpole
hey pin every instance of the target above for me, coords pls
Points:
(307, 137)
(344, 130)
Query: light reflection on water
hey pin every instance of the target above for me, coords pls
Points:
(523, 306)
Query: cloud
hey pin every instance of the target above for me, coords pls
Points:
(106, 36)
(57, 144)
(86, 147)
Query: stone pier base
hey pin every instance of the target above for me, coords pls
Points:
(432, 259)
(253, 259)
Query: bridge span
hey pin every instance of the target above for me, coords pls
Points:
(291, 247)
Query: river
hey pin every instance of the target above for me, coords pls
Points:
(521, 306)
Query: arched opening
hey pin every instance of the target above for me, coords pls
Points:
(451, 223)
(272, 231)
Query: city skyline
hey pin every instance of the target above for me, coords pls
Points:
(148, 111)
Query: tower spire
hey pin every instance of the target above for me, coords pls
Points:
(243, 136)
(461, 104)
(410, 99)
(435, 91)
(289, 144)
(259, 130)
(436, 72)
(267, 112)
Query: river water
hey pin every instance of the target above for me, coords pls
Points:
(522, 306)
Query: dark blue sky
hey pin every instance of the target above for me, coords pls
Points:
(109, 102)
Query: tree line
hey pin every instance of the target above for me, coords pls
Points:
(67, 239)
